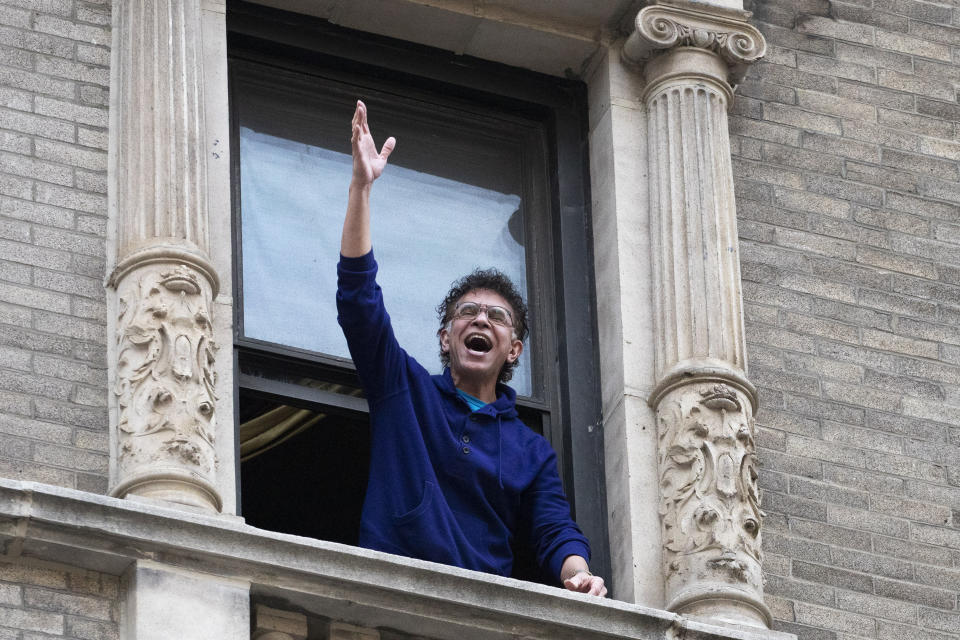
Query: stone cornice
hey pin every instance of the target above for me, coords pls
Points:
(47, 523)
(725, 32)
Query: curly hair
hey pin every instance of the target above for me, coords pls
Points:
(489, 280)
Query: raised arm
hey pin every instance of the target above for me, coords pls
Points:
(367, 167)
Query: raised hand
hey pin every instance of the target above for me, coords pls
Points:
(367, 163)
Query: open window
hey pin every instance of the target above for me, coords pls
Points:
(489, 171)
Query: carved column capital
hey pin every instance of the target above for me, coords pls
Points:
(720, 41)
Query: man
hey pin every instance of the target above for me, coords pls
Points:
(455, 476)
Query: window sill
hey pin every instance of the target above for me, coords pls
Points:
(106, 534)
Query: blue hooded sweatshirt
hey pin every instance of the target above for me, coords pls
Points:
(446, 484)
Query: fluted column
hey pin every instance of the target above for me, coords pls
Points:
(163, 406)
(692, 56)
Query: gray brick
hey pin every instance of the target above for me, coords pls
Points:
(814, 243)
(894, 262)
(14, 230)
(761, 172)
(48, 600)
(923, 207)
(37, 256)
(834, 619)
(35, 83)
(767, 92)
(70, 458)
(911, 427)
(945, 169)
(759, 212)
(68, 69)
(882, 177)
(893, 631)
(902, 384)
(67, 241)
(65, 28)
(903, 465)
(868, 521)
(778, 379)
(90, 396)
(912, 84)
(871, 16)
(90, 309)
(95, 138)
(15, 403)
(91, 180)
(819, 327)
(72, 155)
(36, 125)
(94, 116)
(15, 142)
(921, 10)
(22, 337)
(873, 57)
(71, 198)
(938, 576)
(794, 547)
(44, 621)
(915, 123)
(96, 440)
(929, 596)
(68, 283)
(911, 509)
(801, 158)
(94, 15)
(896, 304)
(84, 629)
(830, 28)
(70, 414)
(795, 465)
(794, 506)
(835, 68)
(784, 339)
(29, 471)
(834, 105)
(892, 342)
(886, 136)
(863, 479)
(798, 590)
(70, 327)
(29, 428)
(871, 563)
(826, 368)
(38, 213)
(94, 95)
(868, 152)
(32, 168)
(92, 483)
(767, 131)
(66, 369)
(912, 46)
(34, 298)
(36, 42)
(845, 189)
(20, 274)
(15, 448)
(853, 436)
(873, 606)
(851, 314)
(801, 118)
(91, 54)
(790, 422)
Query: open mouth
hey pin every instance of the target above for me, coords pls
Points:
(478, 342)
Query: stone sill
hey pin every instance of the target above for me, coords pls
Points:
(100, 533)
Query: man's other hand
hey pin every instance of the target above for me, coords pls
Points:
(584, 582)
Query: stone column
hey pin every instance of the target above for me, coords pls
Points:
(163, 405)
(692, 55)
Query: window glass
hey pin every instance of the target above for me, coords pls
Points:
(450, 201)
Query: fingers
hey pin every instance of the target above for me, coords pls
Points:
(583, 583)
(388, 147)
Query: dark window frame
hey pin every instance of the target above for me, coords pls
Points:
(272, 37)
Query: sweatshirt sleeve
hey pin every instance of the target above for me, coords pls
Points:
(553, 533)
(366, 325)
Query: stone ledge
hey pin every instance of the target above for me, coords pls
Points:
(341, 582)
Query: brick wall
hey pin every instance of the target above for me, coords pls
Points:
(846, 144)
(55, 602)
(54, 79)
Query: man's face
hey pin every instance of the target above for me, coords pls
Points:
(477, 346)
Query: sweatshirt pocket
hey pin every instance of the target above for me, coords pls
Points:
(418, 510)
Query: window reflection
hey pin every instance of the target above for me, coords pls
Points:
(427, 231)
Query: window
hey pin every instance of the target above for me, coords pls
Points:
(489, 171)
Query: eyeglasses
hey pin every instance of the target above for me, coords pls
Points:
(495, 314)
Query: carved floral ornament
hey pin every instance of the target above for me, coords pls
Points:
(709, 506)
(164, 377)
(665, 26)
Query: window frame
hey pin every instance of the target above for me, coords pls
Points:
(261, 35)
